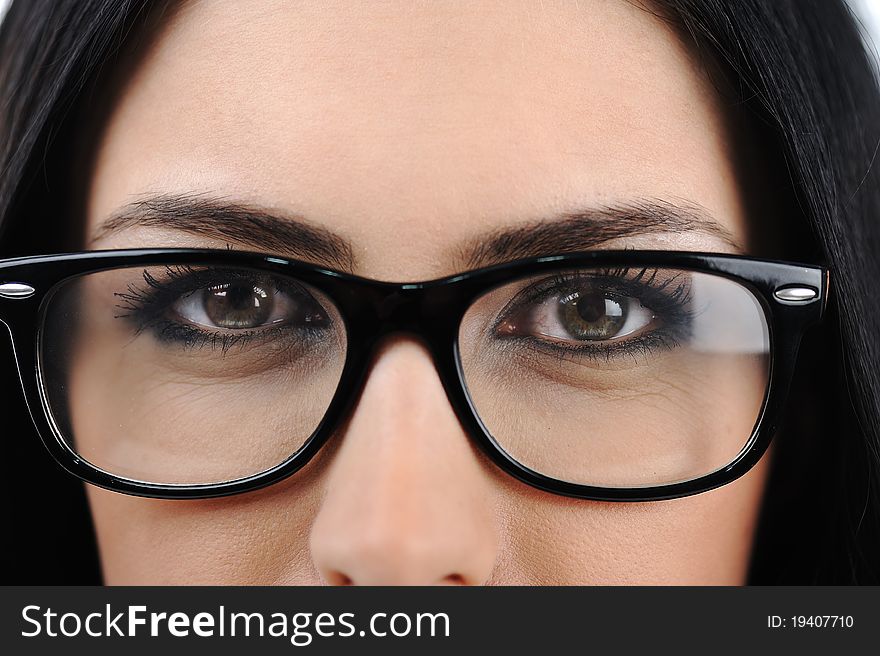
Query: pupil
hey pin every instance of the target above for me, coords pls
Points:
(237, 305)
(592, 316)
(591, 308)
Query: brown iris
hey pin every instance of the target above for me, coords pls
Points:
(591, 315)
(237, 305)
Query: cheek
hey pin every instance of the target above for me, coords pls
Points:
(704, 539)
(260, 538)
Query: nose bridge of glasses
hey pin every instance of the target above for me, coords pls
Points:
(427, 313)
(396, 307)
(410, 308)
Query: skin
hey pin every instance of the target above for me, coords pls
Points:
(410, 129)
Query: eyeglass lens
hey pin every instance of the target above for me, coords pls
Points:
(619, 377)
(188, 374)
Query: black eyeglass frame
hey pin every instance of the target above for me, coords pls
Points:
(793, 297)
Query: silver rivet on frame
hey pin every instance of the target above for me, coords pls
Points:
(796, 295)
(16, 290)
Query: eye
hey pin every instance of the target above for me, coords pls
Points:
(242, 304)
(575, 316)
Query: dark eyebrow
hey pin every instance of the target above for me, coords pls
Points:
(293, 236)
(256, 227)
(585, 228)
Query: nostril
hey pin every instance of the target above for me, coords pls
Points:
(338, 578)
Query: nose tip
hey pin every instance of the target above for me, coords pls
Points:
(406, 500)
(391, 536)
(391, 558)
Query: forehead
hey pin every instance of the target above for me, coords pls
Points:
(403, 126)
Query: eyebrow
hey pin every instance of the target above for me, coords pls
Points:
(584, 229)
(245, 225)
(294, 236)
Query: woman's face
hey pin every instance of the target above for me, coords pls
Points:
(412, 133)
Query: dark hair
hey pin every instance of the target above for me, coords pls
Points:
(802, 77)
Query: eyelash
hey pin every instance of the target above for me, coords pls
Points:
(674, 309)
(146, 306)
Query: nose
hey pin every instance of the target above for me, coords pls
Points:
(407, 501)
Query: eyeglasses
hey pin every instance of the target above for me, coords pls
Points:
(607, 375)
